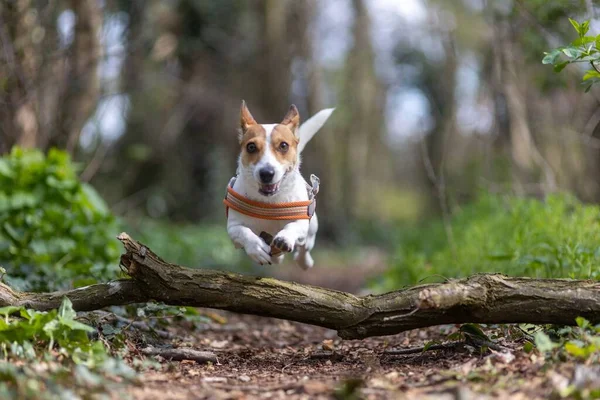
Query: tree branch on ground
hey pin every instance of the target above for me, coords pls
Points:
(487, 298)
(180, 354)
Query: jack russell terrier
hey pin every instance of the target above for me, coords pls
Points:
(270, 207)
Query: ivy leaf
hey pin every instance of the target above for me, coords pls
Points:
(580, 350)
(8, 310)
(77, 326)
(473, 330)
(429, 344)
(573, 349)
(50, 328)
(543, 342)
(66, 310)
(67, 315)
(582, 322)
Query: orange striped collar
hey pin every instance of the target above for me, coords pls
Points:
(288, 211)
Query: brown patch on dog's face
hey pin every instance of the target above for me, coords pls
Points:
(254, 144)
(284, 145)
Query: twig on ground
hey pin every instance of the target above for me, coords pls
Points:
(470, 341)
(326, 355)
(179, 354)
(260, 388)
(421, 349)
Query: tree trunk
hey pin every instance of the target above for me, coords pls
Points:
(83, 89)
(526, 156)
(359, 135)
(490, 299)
(50, 88)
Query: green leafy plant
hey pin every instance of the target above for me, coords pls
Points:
(580, 345)
(71, 362)
(195, 246)
(584, 49)
(55, 232)
(54, 328)
(160, 314)
(557, 237)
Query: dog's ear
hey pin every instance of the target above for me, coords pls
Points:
(292, 119)
(246, 119)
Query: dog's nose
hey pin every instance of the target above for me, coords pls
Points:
(266, 174)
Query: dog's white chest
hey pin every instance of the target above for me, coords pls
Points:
(260, 225)
(292, 190)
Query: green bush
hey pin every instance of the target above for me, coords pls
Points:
(557, 237)
(55, 232)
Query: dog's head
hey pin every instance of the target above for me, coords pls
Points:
(269, 152)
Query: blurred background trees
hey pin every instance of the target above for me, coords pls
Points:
(436, 100)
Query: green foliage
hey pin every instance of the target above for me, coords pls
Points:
(557, 237)
(580, 344)
(349, 389)
(53, 327)
(55, 232)
(198, 246)
(160, 313)
(67, 360)
(584, 49)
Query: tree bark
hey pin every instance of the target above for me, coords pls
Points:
(487, 298)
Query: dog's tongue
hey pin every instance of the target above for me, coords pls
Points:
(268, 189)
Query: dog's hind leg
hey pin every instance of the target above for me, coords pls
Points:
(302, 255)
(278, 259)
(303, 258)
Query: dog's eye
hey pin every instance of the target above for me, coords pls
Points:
(283, 146)
(251, 147)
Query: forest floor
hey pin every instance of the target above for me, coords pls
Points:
(275, 359)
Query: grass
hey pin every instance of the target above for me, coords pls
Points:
(555, 238)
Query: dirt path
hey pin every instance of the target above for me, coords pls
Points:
(275, 359)
(267, 358)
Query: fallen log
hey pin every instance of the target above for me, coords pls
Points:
(484, 298)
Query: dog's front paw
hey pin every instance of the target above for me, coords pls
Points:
(284, 243)
(259, 252)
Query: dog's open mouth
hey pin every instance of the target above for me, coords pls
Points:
(269, 190)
